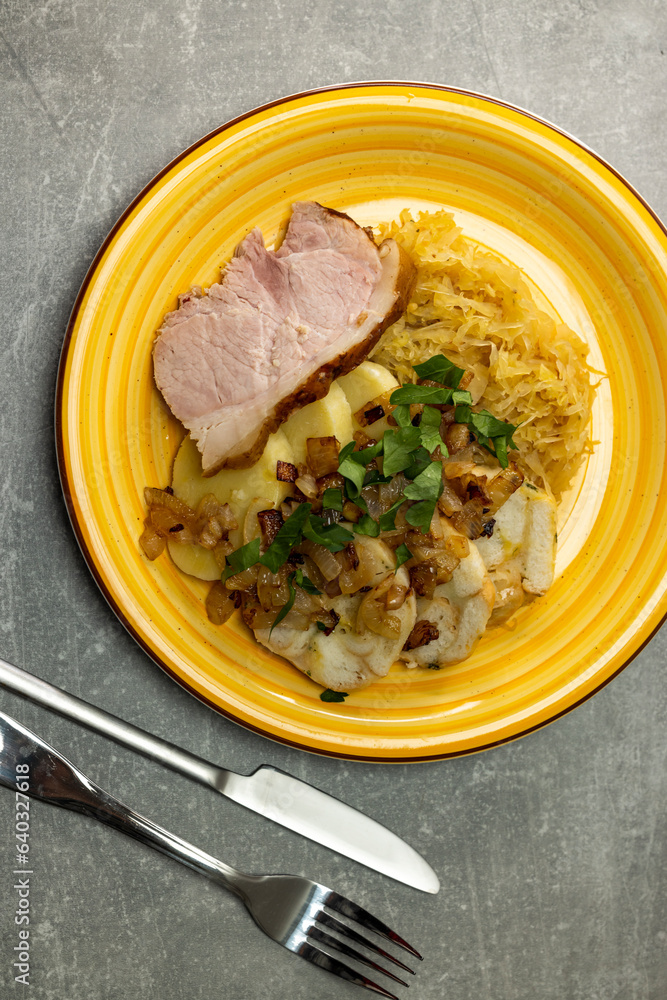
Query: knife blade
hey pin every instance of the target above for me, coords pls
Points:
(272, 793)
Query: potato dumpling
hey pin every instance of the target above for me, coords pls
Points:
(237, 487)
(327, 417)
(365, 383)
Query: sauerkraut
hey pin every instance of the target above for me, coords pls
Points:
(478, 311)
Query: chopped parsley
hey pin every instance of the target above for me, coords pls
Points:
(329, 695)
(332, 536)
(288, 536)
(402, 553)
(332, 499)
(242, 558)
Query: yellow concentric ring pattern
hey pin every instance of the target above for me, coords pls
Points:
(586, 241)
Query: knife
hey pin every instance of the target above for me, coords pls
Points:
(268, 791)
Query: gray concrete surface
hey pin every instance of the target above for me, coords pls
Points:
(552, 850)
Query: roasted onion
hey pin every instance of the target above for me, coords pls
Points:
(326, 561)
(422, 633)
(272, 588)
(152, 543)
(322, 455)
(220, 603)
(502, 486)
(373, 613)
(251, 525)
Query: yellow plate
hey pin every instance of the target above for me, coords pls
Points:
(586, 240)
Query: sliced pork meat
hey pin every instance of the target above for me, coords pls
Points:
(232, 363)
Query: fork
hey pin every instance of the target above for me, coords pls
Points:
(290, 909)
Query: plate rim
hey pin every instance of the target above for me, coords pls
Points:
(60, 448)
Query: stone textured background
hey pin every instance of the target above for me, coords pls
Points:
(551, 851)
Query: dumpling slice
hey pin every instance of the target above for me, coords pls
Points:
(520, 555)
(352, 655)
(454, 619)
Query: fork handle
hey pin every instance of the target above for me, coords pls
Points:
(49, 696)
(52, 778)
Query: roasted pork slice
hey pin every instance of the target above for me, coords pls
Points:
(233, 362)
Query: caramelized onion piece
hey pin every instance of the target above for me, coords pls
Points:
(359, 569)
(312, 572)
(457, 437)
(152, 543)
(332, 588)
(164, 521)
(251, 526)
(449, 502)
(458, 545)
(423, 577)
(322, 455)
(329, 618)
(220, 603)
(396, 596)
(162, 498)
(221, 551)
(501, 488)
(244, 580)
(286, 472)
(305, 603)
(308, 485)
(297, 621)
(270, 523)
(373, 613)
(272, 588)
(210, 534)
(470, 519)
(374, 409)
(389, 493)
(363, 440)
(371, 496)
(351, 512)
(352, 555)
(326, 561)
(423, 633)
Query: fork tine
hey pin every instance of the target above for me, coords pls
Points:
(338, 968)
(336, 925)
(331, 942)
(345, 906)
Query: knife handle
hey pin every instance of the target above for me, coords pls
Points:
(49, 696)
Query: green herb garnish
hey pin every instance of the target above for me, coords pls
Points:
(429, 429)
(352, 470)
(366, 455)
(329, 695)
(401, 415)
(426, 489)
(403, 553)
(427, 485)
(440, 369)
(367, 526)
(332, 536)
(305, 583)
(421, 394)
(387, 521)
(398, 448)
(332, 499)
(287, 537)
(241, 559)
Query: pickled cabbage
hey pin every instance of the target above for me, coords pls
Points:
(479, 312)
